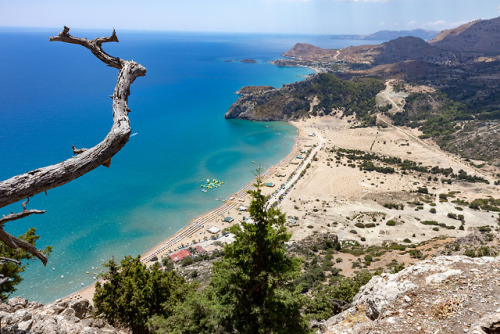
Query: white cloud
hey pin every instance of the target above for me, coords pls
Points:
(499, 8)
(442, 24)
(435, 23)
(412, 23)
(381, 23)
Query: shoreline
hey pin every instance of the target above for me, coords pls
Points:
(166, 247)
(197, 228)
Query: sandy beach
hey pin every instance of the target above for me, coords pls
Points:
(196, 232)
(334, 197)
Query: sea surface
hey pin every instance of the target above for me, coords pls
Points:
(54, 95)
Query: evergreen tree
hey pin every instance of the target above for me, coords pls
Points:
(252, 281)
(133, 293)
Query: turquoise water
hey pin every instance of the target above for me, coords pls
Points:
(55, 95)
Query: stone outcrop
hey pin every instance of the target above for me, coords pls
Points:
(446, 294)
(18, 316)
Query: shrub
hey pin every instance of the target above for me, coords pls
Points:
(415, 253)
(391, 223)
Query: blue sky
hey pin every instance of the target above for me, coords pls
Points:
(264, 16)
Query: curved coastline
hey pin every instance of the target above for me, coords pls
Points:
(181, 239)
(213, 217)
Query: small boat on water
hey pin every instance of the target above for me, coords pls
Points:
(62, 276)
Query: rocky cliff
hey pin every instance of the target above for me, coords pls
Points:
(18, 316)
(446, 294)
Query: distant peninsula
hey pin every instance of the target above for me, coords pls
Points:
(386, 35)
(460, 68)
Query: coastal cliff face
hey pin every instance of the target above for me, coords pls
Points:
(446, 294)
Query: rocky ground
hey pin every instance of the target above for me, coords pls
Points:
(18, 316)
(445, 294)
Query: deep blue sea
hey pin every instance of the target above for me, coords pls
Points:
(55, 95)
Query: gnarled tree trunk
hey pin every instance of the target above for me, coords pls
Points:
(25, 185)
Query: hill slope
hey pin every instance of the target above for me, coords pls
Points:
(482, 36)
(397, 50)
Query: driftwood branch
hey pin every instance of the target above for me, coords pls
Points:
(43, 179)
(85, 160)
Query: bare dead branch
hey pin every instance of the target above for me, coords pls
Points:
(77, 151)
(16, 216)
(6, 259)
(94, 46)
(15, 243)
(42, 179)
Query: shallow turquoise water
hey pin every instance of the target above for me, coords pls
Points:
(55, 95)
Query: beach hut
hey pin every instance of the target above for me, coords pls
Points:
(178, 256)
(228, 219)
(199, 249)
(213, 230)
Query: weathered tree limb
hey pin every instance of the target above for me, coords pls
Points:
(43, 179)
(6, 259)
(15, 243)
(40, 180)
(16, 216)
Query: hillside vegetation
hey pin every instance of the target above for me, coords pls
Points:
(293, 101)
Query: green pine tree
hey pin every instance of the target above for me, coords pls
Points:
(133, 293)
(252, 283)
